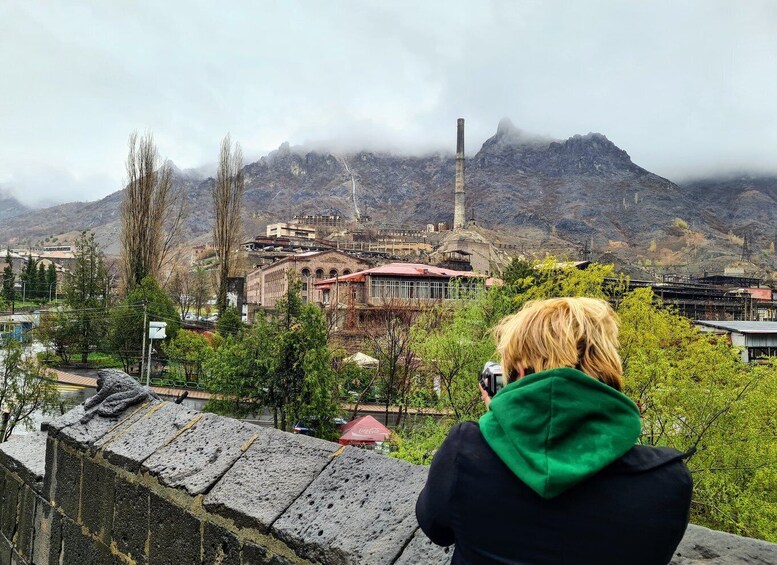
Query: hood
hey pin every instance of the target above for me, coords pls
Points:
(556, 428)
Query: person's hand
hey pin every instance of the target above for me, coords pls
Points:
(484, 396)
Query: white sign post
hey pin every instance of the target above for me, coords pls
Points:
(156, 330)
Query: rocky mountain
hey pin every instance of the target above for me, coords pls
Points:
(529, 189)
(743, 203)
(10, 206)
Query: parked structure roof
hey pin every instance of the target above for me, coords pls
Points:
(743, 327)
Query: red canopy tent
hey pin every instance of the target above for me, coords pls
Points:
(363, 431)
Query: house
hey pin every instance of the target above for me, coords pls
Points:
(756, 339)
(283, 229)
(410, 286)
(15, 326)
(268, 284)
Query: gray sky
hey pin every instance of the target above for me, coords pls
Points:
(684, 87)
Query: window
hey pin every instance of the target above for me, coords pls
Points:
(306, 272)
(332, 273)
(319, 273)
(346, 272)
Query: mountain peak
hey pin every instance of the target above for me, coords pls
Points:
(506, 127)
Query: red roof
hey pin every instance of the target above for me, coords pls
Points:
(364, 430)
(402, 270)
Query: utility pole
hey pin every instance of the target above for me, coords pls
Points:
(746, 247)
(143, 348)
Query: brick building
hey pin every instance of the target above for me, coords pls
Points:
(267, 284)
(408, 286)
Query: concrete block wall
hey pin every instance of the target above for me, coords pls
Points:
(24, 512)
(162, 484)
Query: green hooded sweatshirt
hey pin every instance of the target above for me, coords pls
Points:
(556, 428)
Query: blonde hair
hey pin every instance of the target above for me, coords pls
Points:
(562, 332)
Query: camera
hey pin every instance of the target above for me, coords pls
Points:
(492, 378)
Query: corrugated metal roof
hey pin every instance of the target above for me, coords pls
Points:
(403, 270)
(743, 327)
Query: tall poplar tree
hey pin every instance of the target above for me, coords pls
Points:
(41, 287)
(9, 279)
(151, 212)
(227, 202)
(51, 280)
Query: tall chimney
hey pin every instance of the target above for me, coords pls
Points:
(459, 217)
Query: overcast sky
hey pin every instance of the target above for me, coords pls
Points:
(683, 86)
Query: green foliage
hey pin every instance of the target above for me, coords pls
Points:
(283, 363)
(694, 392)
(25, 387)
(558, 279)
(520, 275)
(9, 279)
(680, 223)
(200, 289)
(126, 320)
(42, 287)
(86, 292)
(51, 280)
(356, 382)
(691, 387)
(58, 331)
(419, 443)
(454, 342)
(240, 370)
(229, 322)
(190, 350)
(29, 279)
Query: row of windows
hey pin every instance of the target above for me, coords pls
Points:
(320, 273)
(423, 289)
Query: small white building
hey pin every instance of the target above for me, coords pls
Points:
(756, 339)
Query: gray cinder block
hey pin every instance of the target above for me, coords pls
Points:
(269, 476)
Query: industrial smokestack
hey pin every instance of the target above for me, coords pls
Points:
(459, 216)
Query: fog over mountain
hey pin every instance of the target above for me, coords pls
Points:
(686, 88)
(529, 189)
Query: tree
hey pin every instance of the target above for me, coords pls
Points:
(200, 289)
(180, 290)
(9, 279)
(190, 350)
(229, 322)
(51, 280)
(85, 290)
(692, 389)
(41, 287)
(283, 364)
(227, 203)
(454, 342)
(299, 330)
(695, 393)
(388, 338)
(58, 332)
(29, 278)
(151, 212)
(25, 387)
(126, 320)
(240, 370)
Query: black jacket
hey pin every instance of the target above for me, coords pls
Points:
(633, 512)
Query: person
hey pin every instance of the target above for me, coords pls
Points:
(551, 473)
